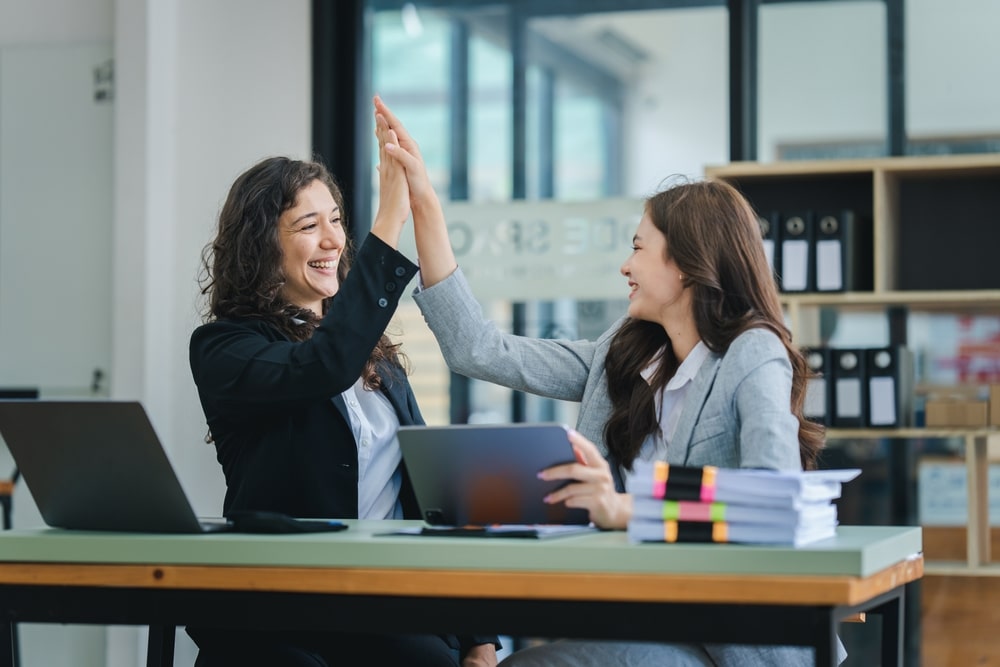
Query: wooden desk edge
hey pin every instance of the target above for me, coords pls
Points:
(503, 584)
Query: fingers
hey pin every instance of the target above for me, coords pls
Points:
(585, 451)
(383, 109)
(394, 123)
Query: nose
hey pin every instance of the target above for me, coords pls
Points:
(333, 236)
(624, 270)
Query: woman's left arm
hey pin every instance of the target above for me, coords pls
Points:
(769, 432)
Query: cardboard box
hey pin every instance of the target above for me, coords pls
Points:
(956, 413)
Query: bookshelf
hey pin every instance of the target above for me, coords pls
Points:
(935, 225)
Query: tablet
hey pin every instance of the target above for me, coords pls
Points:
(481, 474)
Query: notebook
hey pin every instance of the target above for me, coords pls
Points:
(486, 475)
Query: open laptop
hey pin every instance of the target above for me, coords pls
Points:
(485, 474)
(97, 465)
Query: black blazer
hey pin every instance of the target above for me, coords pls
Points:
(273, 406)
(281, 429)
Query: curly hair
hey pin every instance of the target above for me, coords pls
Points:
(242, 275)
(713, 236)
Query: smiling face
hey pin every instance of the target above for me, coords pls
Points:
(312, 240)
(656, 289)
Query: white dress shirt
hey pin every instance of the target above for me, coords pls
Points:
(374, 424)
(669, 404)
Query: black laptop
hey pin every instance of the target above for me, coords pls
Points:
(97, 465)
(486, 474)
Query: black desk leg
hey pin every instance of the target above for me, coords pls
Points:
(15, 645)
(160, 647)
(892, 629)
(8, 644)
(826, 641)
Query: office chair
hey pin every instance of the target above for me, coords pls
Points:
(6, 496)
(6, 493)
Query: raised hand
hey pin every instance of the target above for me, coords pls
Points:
(437, 260)
(394, 190)
(416, 170)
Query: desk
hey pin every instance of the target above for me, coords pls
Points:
(594, 585)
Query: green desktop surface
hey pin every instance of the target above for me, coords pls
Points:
(856, 551)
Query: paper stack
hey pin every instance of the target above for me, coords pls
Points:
(709, 504)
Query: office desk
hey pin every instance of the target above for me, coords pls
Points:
(595, 585)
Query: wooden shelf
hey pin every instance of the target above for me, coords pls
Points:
(948, 300)
(933, 243)
(936, 165)
(960, 569)
(913, 432)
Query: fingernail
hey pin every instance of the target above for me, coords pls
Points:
(572, 431)
(540, 474)
(547, 499)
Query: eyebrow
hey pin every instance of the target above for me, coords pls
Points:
(312, 214)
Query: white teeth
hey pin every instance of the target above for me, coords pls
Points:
(324, 265)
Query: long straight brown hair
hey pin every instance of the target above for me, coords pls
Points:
(713, 236)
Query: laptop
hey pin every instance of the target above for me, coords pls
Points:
(486, 474)
(97, 465)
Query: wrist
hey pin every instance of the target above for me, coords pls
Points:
(624, 511)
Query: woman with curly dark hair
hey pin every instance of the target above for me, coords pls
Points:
(302, 390)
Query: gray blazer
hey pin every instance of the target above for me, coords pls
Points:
(736, 413)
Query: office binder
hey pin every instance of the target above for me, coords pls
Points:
(850, 393)
(796, 244)
(890, 379)
(842, 251)
(769, 223)
(819, 396)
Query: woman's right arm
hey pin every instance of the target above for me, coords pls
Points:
(471, 344)
(249, 362)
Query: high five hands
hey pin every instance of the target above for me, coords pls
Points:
(398, 150)
(396, 143)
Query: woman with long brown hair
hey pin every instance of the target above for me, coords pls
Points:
(701, 370)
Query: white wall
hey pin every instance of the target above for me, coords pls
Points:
(55, 21)
(194, 110)
(202, 91)
(57, 35)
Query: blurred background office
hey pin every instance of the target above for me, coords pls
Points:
(123, 122)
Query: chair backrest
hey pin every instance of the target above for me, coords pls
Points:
(7, 485)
